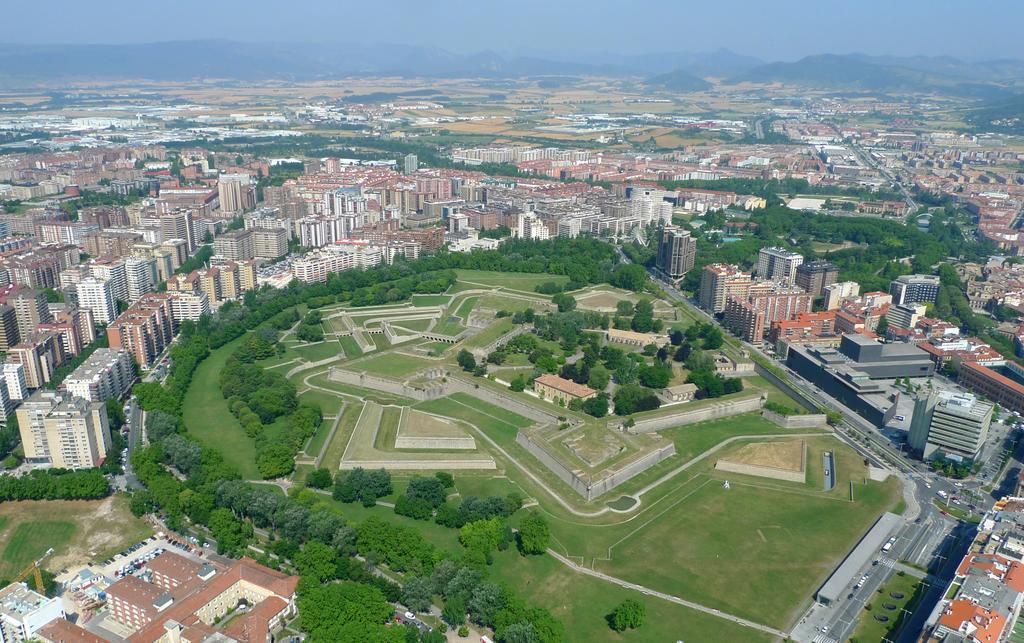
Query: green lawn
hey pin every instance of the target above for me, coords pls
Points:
(208, 419)
(869, 629)
(388, 429)
(430, 300)
(419, 325)
(500, 424)
(489, 334)
(465, 308)
(316, 443)
(336, 447)
(317, 352)
(350, 346)
(525, 281)
(392, 365)
(770, 543)
(329, 403)
(30, 540)
(581, 603)
(322, 380)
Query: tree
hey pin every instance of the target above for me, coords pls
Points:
(598, 377)
(883, 326)
(656, 376)
(317, 560)
(596, 406)
(629, 277)
(159, 425)
(446, 479)
(624, 308)
(628, 615)
(534, 534)
(518, 383)
(564, 302)
(319, 479)
(275, 460)
(466, 360)
(643, 317)
(418, 593)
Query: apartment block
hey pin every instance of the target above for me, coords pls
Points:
(912, 289)
(677, 251)
(268, 243)
(64, 431)
(238, 245)
(41, 353)
(97, 295)
(778, 264)
(144, 330)
(815, 276)
(837, 292)
(719, 282)
(107, 373)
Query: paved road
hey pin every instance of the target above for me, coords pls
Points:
(668, 597)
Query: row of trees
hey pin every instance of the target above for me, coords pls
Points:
(55, 484)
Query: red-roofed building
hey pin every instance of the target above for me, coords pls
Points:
(973, 621)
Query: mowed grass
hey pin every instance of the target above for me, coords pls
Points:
(392, 365)
(208, 419)
(430, 300)
(336, 447)
(489, 334)
(28, 541)
(350, 347)
(582, 602)
(757, 549)
(329, 403)
(525, 281)
(316, 352)
(870, 629)
(500, 424)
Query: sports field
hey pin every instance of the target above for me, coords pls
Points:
(79, 531)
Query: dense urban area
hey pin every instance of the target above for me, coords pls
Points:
(720, 355)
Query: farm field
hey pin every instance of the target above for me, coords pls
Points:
(80, 531)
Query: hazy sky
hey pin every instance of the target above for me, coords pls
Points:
(770, 29)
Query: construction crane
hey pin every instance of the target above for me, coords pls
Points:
(33, 570)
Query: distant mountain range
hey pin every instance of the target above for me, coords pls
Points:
(671, 71)
(888, 73)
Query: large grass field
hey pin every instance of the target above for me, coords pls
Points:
(336, 447)
(319, 351)
(350, 346)
(525, 281)
(769, 543)
(391, 365)
(489, 334)
(208, 419)
(582, 603)
(80, 531)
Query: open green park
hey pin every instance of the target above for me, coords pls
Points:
(757, 549)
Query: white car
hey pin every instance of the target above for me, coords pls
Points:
(410, 616)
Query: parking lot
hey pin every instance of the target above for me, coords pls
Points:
(135, 557)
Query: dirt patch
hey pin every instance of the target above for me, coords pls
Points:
(787, 455)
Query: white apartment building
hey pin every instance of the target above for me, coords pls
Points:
(98, 296)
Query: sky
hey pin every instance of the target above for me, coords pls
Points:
(769, 29)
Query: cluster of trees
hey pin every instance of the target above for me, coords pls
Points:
(872, 262)
(310, 329)
(781, 409)
(258, 397)
(639, 317)
(708, 382)
(55, 484)
(467, 361)
(422, 497)
(468, 594)
(362, 485)
(627, 615)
